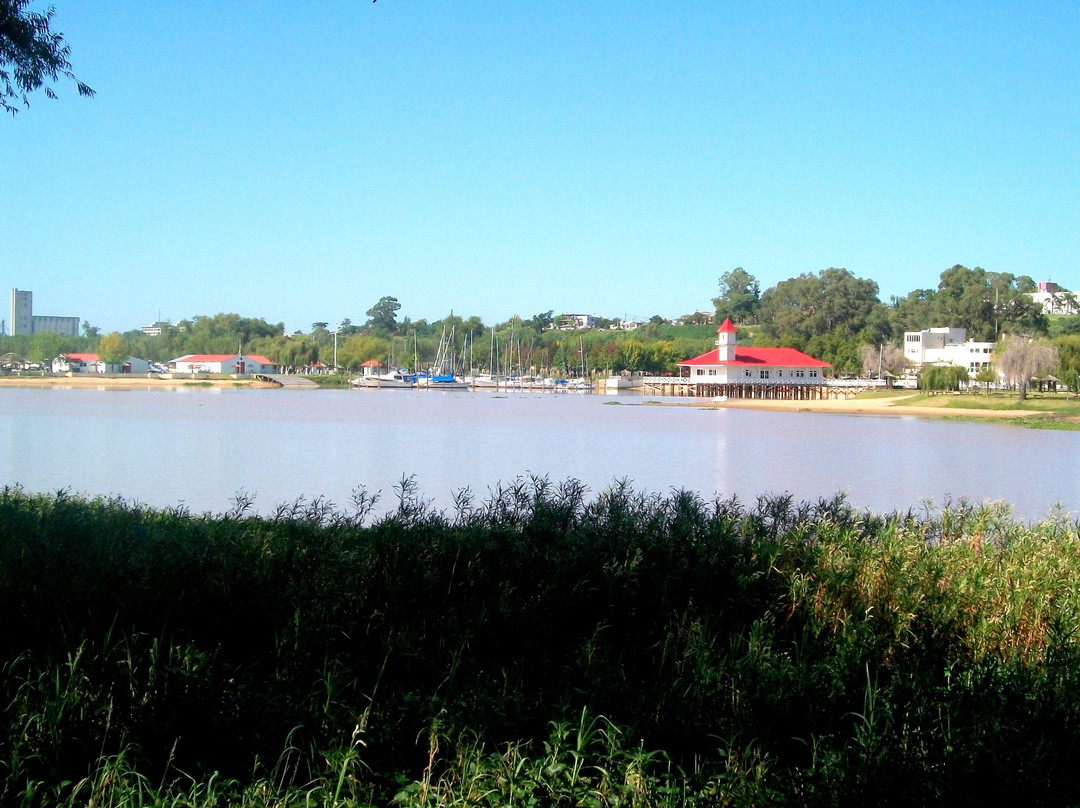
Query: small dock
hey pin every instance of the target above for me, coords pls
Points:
(287, 381)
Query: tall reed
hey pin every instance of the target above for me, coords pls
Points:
(539, 647)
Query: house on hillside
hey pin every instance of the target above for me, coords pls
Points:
(1054, 299)
(577, 322)
(92, 363)
(231, 364)
(947, 346)
(744, 372)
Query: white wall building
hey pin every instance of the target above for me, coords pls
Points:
(947, 346)
(569, 322)
(1054, 299)
(91, 363)
(730, 363)
(233, 364)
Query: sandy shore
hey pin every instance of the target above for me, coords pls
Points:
(893, 406)
(127, 382)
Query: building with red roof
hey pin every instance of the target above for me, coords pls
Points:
(92, 363)
(232, 364)
(730, 369)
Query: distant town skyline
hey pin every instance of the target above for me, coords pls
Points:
(297, 164)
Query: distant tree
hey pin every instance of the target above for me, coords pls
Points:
(986, 376)
(543, 320)
(113, 349)
(834, 302)
(292, 353)
(914, 312)
(383, 315)
(1068, 354)
(1020, 359)
(89, 331)
(987, 303)
(45, 346)
(938, 378)
(886, 358)
(740, 296)
(470, 325)
(359, 348)
(632, 355)
(31, 54)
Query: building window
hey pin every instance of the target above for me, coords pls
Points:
(813, 374)
(799, 374)
(712, 371)
(746, 373)
(764, 374)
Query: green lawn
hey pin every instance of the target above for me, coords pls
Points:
(1045, 410)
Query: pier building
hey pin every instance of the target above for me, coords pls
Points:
(734, 371)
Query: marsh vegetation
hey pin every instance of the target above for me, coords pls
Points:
(536, 648)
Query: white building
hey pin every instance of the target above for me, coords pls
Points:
(233, 364)
(947, 346)
(570, 322)
(730, 364)
(157, 328)
(1054, 299)
(91, 363)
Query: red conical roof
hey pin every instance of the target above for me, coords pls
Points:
(726, 328)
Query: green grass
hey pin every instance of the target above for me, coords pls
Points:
(1042, 410)
(332, 381)
(541, 647)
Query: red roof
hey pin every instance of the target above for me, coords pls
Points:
(372, 363)
(759, 357)
(202, 358)
(726, 328)
(83, 357)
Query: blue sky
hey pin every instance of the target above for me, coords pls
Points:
(298, 161)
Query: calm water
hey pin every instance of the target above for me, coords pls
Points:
(201, 447)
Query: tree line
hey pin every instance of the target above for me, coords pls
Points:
(832, 315)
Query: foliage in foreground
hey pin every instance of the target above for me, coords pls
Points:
(538, 648)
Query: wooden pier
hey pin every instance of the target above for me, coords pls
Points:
(762, 390)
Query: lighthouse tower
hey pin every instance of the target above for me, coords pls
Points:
(725, 342)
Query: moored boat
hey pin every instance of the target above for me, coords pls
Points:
(393, 380)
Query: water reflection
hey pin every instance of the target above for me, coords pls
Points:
(202, 446)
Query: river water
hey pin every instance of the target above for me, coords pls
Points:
(201, 448)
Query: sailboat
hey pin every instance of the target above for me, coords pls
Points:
(441, 376)
(489, 380)
(581, 384)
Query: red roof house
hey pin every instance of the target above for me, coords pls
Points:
(238, 364)
(729, 363)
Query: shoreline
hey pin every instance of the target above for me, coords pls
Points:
(127, 382)
(891, 406)
(861, 406)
